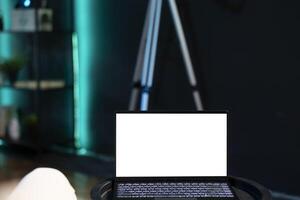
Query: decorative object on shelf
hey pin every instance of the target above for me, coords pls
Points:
(42, 84)
(14, 129)
(11, 67)
(52, 84)
(26, 18)
(23, 17)
(6, 116)
(28, 84)
(3, 119)
(45, 17)
(30, 123)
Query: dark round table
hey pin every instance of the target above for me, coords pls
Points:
(245, 190)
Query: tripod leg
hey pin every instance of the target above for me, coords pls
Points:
(185, 53)
(140, 60)
(147, 75)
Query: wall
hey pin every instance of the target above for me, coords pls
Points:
(246, 63)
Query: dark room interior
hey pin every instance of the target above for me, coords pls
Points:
(67, 66)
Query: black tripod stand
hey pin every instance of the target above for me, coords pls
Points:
(144, 70)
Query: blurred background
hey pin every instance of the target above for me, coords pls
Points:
(67, 66)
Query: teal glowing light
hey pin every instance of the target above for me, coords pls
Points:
(5, 39)
(82, 65)
(76, 91)
(82, 152)
(2, 142)
(6, 95)
(5, 9)
(5, 47)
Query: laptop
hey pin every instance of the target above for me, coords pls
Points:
(171, 156)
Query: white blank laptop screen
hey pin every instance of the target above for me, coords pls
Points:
(163, 145)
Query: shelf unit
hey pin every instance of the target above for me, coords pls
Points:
(49, 58)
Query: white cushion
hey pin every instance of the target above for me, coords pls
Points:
(43, 184)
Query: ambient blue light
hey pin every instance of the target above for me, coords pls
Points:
(6, 95)
(82, 66)
(1, 142)
(27, 3)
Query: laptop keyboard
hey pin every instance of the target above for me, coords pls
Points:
(173, 189)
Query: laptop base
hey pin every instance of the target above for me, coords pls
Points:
(243, 188)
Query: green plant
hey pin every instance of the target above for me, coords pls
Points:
(31, 119)
(11, 67)
(30, 125)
